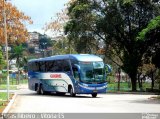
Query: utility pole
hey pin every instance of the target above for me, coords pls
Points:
(6, 44)
(119, 78)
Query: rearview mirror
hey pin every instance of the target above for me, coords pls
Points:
(108, 68)
(76, 71)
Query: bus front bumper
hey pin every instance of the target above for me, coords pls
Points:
(92, 88)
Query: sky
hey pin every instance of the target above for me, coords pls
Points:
(40, 11)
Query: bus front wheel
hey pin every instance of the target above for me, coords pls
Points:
(94, 95)
(72, 94)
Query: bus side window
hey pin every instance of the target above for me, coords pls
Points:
(37, 66)
(41, 66)
(66, 66)
(34, 66)
(50, 66)
(57, 66)
(29, 66)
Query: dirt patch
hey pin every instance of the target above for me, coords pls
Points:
(3, 104)
(155, 98)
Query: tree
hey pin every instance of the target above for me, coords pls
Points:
(156, 58)
(152, 32)
(21, 59)
(61, 47)
(147, 70)
(2, 62)
(31, 50)
(45, 45)
(79, 28)
(118, 23)
(15, 19)
(56, 27)
(45, 40)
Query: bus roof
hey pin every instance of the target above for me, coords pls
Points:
(78, 57)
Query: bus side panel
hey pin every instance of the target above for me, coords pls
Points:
(55, 82)
(54, 85)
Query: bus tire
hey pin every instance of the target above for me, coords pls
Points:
(42, 90)
(72, 94)
(94, 95)
(37, 88)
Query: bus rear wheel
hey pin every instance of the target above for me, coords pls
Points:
(42, 90)
(94, 95)
(37, 89)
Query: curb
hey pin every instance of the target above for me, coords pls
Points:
(9, 104)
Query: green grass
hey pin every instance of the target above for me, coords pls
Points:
(125, 86)
(13, 81)
(3, 95)
(3, 98)
(13, 84)
(11, 87)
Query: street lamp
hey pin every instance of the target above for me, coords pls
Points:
(6, 43)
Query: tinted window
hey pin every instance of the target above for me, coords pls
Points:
(58, 66)
(42, 66)
(33, 66)
(53, 66)
(66, 65)
(50, 66)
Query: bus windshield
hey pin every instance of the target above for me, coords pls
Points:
(92, 72)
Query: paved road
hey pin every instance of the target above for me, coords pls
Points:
(28, 101)
(11, 91)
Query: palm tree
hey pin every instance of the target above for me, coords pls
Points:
(20, 58)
